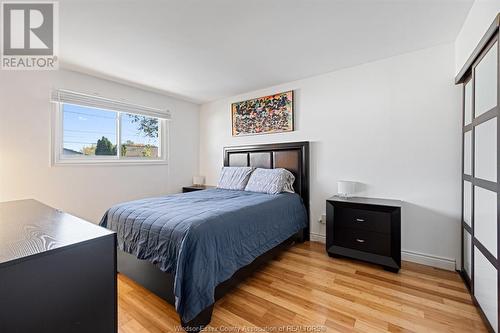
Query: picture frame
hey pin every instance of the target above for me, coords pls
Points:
(263, 115)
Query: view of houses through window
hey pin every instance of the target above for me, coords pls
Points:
(91, 132)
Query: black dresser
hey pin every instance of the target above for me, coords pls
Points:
(366, 229)
(57, 272)
(193, 188)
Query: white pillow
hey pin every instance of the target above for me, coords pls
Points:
(271, 181)
(234, 178)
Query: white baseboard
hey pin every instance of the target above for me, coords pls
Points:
(317, 238)
(416, 257)
(429, 260)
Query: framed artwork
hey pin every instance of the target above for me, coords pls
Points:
(263, 115)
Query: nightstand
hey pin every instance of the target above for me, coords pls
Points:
(193, 188)
(366, 229)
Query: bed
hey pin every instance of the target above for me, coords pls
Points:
(192, 248)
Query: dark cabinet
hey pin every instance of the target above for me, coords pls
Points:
(193, 188)
(365, 229)
(57, 272)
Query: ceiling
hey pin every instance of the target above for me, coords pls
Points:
(203, 50)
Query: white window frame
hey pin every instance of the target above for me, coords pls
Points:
(58, 158)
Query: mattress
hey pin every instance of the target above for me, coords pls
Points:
(204, 237)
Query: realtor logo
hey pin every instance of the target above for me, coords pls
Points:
(29, 35)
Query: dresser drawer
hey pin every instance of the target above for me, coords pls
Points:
(367, 241)
(362, 219)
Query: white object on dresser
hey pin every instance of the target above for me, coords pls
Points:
(346, 188)
(198, 180)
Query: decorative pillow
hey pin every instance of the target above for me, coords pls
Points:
(271, 181)
(234, 178)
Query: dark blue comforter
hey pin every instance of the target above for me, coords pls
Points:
(204, 237)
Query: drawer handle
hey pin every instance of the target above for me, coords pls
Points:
(360, 240)
(360, 220)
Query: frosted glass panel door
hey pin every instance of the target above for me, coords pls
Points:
(468, 203)
(468, 153)
(468, 103)
(480, 190)
(486, 151)
(485, 218)
(486, 82)
(485, 287)
(467, 253)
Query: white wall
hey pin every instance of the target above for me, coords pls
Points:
(392, 125)
(86, 191)
(478, 21)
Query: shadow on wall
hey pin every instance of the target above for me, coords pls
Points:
(422, 227)
(360, 188)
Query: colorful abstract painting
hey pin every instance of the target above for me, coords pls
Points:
(263, 115)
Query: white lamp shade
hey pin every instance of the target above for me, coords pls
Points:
(198, 180)
(346, 188)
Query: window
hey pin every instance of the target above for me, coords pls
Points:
(85, 129)
(139, 136)
(92, 129)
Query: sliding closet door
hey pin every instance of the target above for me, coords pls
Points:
(480, 182)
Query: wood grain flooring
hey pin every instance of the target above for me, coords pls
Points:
(304, 290)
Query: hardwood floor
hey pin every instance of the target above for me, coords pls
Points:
(304, 290)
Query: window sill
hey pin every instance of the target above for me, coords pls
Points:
(107, 163)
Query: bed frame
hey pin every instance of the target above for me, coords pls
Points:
(293, 156)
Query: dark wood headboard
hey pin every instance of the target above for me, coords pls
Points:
(293, 156)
